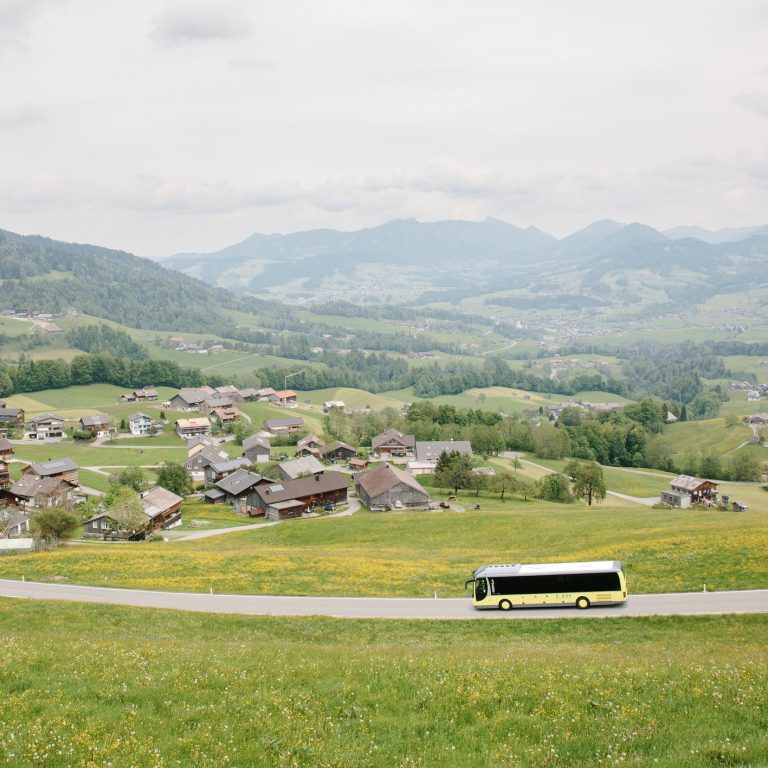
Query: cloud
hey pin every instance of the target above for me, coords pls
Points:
(16, 17)
(188, 21)
(20, 117)
(755, 102)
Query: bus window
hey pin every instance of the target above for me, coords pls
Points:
(481, 589)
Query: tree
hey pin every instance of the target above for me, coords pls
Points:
(453, 470)
(174, 478)
(554, 487)
(504, 481)
(54, 525)
(745, 467)
(126, 510)
(132, 477)
(588, 481)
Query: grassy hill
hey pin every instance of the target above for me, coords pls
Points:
(709, 436)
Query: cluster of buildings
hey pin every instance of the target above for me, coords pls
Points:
(420, 456)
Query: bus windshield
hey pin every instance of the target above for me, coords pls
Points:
(481, 589)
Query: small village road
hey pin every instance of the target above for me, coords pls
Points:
(682, 604)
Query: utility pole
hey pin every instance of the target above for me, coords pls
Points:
(285, 382)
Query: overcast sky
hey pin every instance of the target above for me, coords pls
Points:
(174, 125)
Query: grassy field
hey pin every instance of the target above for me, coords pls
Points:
(145, 688)
(196, 514)
(709, 436)
(103, 456)
(418, 553)
(353, 398)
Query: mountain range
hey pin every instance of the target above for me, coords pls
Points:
(407, 261)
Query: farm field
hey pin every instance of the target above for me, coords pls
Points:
(195, 514)
(709, 436)
(102, 456)
(353, 398)
(180, 689)
(418, 553)
(488, 398)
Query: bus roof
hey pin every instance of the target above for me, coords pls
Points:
(547, 569)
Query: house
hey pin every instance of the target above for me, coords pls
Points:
(239, 490)
(286, 397)
(358, 465)
(140, 424)
(161, 507)
(388, 487)
(338, 452)
(284, 426)
(232, 392)
(430, 451)
(311, 445)
(198, 461)
(193, 427)
(256, 449)
(328, 405)
(64, 469)
(218, 470)
(5, 473)
(11, 418)
(215, 401)
(310, 491)
(6, 449)
(39, 492)
(249, 393)
(416, 467)
(46, 426)
(697, 491)
(267, 394)
(393, 443)
(97, 425)
(196, 444)
(307, 465)
(758, 419)
(189, 398)
(13, 523)
(225, 415)
(139, 395)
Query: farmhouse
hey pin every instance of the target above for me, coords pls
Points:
(64, 469)
(97, 425)
(309, 446)
(193, 427)
(11, 418)
(393, 443)
(196, 444)
(388, 487)
(139, 395)
(239, 490)
(6, 449)
(328, 405)
(286, 397)
(256, 449)
(314, 490)
(161, 507)
(285, 425)
(13, 523)
(140, 424)
(46, 426)
(218, 470)
(189, 398)
(687, 490)
(338, 452)
(39, 492)
(307, 465)
(358, 465)
(759, 419)
(226, 415)
(197, 462)
(5, 473)
(430, 451)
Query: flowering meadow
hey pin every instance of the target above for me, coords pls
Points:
(87, 686)
(420, 553)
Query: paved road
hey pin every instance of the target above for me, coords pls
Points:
(686, 604)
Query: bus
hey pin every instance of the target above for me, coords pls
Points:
(580, 584)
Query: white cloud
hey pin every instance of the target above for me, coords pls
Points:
(186, 21)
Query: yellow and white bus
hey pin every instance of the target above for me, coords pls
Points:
(579, 584)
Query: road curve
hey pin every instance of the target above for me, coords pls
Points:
(682, 604)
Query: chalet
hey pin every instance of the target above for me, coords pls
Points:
(97, 425)
(256, 449)
(190, 398)
(64, 469)
(393, 443)
(388, 487)
(11, 418)
(39, 492)
(338, 452)
(239, 490)
(139, 395)
(193, 427)
(215, 401)
(309, 446)
(197, 462)
(310, 491)
(161, 507)
(329, 405)
(5, 473)
(6, 449)
(686, 490)
(358, 464)
(218, 470)
(225, 415)
(249, 393)
(307, 465)
(196, 444)
(140, 424)
(46, 426)
(286, 397)
(232, 392)
(430, 451)
(284, 426)
(267, 394)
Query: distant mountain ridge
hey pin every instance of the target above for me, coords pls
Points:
(418, 260)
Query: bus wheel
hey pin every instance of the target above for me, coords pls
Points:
(582, 602)
(505, 605)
